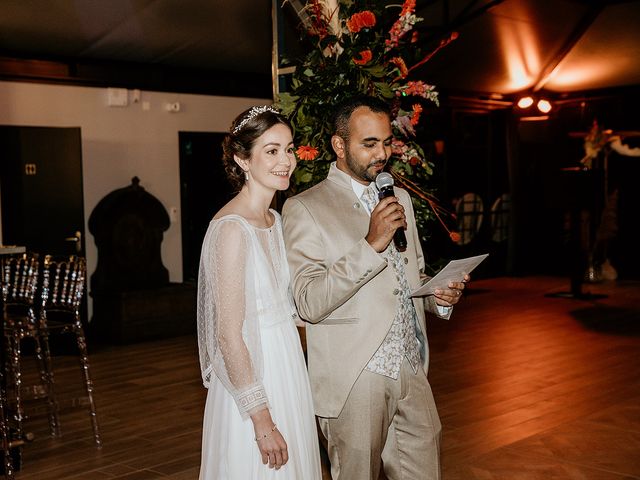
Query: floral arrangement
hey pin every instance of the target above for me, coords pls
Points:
(363, 48)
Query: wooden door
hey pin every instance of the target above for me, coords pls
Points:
(41, 187)
(204, 189)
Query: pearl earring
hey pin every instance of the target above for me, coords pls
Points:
(246, 176)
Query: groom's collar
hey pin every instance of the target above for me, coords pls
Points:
(344, 180)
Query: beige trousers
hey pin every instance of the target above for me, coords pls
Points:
(386, 424)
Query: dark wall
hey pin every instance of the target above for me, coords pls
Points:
(548, 152)
(473, 160)
(538, 163)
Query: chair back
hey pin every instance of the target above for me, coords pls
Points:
(63, 283)
(19, 279)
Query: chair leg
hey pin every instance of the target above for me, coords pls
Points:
(4, 435)
(43, 355)
(15, 354)
(84, 362)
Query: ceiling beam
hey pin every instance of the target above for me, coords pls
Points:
(135, 75)
(466, 15)
(580, 29)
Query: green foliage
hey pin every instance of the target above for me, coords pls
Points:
(364, 47)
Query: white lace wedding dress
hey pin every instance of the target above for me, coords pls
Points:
(250, 354)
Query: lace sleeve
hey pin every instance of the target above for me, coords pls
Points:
(228, 334)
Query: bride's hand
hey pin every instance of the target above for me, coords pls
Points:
(271, 443)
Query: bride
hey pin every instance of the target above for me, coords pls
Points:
(258, 420)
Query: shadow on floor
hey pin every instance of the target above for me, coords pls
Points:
(607, 319)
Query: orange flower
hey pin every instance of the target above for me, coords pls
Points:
(454, 236)
(307, 152)
(408, 7)
(365, 56)
(360, 20)
(399, 62)
(417, 110)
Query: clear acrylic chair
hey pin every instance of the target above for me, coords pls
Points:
(5, 440)
(63, 286)
(19, 284)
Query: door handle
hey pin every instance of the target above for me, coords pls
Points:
(77, 240)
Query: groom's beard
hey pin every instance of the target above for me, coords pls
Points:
(367, 173)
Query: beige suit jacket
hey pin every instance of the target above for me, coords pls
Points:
(342, 286)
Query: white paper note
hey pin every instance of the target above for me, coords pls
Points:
(453, 272)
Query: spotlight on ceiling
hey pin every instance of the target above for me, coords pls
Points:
(525, 102)
(544, 105)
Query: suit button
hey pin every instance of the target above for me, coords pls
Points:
(396, 291)
(406, 260)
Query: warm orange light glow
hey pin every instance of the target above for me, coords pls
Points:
(525, 102)
(518, 48)
(544, 106)
(604, 56)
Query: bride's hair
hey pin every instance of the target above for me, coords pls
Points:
(245, 130)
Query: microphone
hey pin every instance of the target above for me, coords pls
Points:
(384, 182)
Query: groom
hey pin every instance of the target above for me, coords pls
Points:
(366, 338)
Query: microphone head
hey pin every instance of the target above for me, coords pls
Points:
(384, 180)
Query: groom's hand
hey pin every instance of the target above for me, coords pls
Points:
(447, 297)
(386, 218)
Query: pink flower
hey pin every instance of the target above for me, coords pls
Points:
(398, 147)
(403, 25)
(419, 89)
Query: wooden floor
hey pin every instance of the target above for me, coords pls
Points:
(528, 387)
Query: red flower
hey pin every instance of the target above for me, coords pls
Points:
(307, 152)
(414, 161)
(454, 236)
(360, 20)
(318, 20)
(365, 56)
(417, 110)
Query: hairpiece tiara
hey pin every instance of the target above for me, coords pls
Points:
(254, 112)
